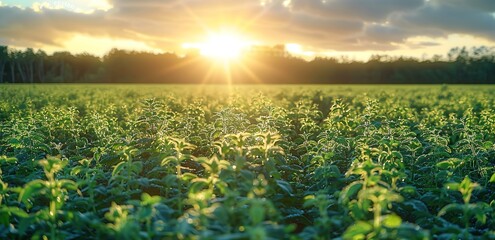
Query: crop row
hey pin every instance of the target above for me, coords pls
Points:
(279, 162)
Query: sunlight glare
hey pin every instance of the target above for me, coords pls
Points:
(221, 46)
(297, 50)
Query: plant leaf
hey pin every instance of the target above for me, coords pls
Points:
(350, 191)
(358, 231)
(285, 186)
(452, 186)
(188, 177)
(68, 184)
(449, 208)
(15, 211)
(30, 189)
(392, 221)
(118, 168)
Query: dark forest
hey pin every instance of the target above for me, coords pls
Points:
(273, 65)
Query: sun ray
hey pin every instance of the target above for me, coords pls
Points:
(228, 75)
(222, 45)
(184, 63)
(226, 48)
(208, 74)
(249, 72)
(196, 19)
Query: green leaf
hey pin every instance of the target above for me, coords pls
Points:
(146, 199)
(15, 142)
(285, 186)
(450, 208)
(15, 211)
(53, 164)
(170, 180)
(30, 189)
(7, 159)
(452, 186)
(329, 155)
(197, 186)
(449, 163)
(409, 190)
(392, 221)
(3, 187)
(358, 231)
(349, 191)
(396, 154)
(188, 177)
(444, 165)
(256, 213)
(137, 167)
(68, 184)
(76, 170)
(417, 206)
(481, 217)
(492, 179)
(309, 201)
(487, 145)
(145, 213)
(169, 159)
(118, 168)
(4, 218)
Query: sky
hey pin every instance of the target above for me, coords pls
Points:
(352, 28)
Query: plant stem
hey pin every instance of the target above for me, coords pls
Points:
(179, 185)
(377, 212)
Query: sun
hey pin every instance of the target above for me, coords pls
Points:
(227, 54)
(221, 45)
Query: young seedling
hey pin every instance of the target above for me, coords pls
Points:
(468, 210)
(56, 190)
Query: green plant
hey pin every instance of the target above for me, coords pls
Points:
(246, 162)
(467, 210)
(54, 189)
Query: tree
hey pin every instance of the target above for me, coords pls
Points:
(84, 66)
(4, 56)
(61, 62)
(29, 58)
(40, 60)
(17, 58)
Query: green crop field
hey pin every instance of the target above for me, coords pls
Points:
(247, 162)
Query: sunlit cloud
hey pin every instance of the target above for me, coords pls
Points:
(428, 47)
(80, 43)
(70, 5)
(298, 50)
(315, 27)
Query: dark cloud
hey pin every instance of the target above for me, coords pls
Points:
(482, 5)
(365, 10)
(445, 17)
(427, 44)
(329, 24)
(384, 33)
(52, 26)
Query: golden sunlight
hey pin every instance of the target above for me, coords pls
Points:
(221, 46)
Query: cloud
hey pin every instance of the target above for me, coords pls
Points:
(384, 33)
(481, 5)
(451, 16)
(336, 25)
(365, 10)
(428, 44)
(51, 26)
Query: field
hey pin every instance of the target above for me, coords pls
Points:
(247, 162)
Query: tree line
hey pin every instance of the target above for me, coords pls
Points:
(459, 66)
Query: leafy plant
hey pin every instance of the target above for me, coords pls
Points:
(56, 191)
(247, 162)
